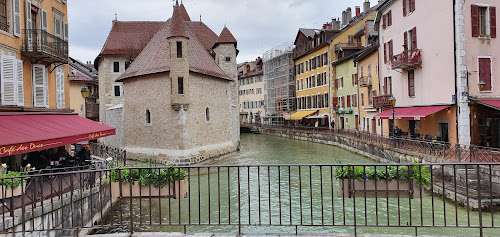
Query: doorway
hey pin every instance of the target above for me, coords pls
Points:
(341, 124)
(356, 120)
(412, 125)
(443, 130)
(374, 126)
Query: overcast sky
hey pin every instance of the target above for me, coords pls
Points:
(258, 25)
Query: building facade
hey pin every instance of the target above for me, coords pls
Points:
(83, 75)
(181, 94)
(251, 92)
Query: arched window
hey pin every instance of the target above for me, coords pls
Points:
(148, 117)
(207, 114)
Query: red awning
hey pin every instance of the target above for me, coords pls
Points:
(491, 103)
(23, 133)
(411, 113)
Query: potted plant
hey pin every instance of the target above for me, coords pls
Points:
(11, 182)
(154, 182)
(393, 182)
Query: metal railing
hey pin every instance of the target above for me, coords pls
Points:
(365, 81)
(406, 198)
(407, 60)
(339, 46)
(104, 151)
(41, 42)
(4, 26)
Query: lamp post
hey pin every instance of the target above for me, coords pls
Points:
(85, 94)
(393, 103)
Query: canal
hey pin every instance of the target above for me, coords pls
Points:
(268, 196)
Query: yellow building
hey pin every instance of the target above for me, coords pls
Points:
(312, 76)
(83, 75)
(34, 55)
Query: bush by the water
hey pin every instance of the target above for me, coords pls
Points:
(157, 177)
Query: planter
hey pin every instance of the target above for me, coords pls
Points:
(383, 189)
(8, 193)
(181, 190)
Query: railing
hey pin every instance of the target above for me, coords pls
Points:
(92, 110)
(381, 101)
(402, 198)
(365, 81)
(43, 44)
(340, 46)
(4, 26)
(104, 151)
(407, 60)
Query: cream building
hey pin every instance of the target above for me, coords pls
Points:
(251, 92)
(180, 94)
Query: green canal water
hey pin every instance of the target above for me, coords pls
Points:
(263, 198)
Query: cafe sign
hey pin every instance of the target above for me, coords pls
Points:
(14, 149)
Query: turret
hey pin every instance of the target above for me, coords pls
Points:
(179, 61)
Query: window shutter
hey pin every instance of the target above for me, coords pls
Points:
(39, 86)
(349, 101)
(352, 79)
(342, 82)
(343, 101)
(414, 38)
(362, 99)
(411, 83)
(475, 20)
(493, 22)
(383, 21)
(17, 17)
(385, 85)
(60, 100)
(412, 5)
(390, 18)
(44, 20)
(20, 82)
(29, 36)
(485, 72)
(404, 7)
(8, 80)
(385, 52)
(405, 45)
(336, 84)
(335, 101)
(65, 31)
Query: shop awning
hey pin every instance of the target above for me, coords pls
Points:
(23, 133)
(495, 104)
(411, 113)
(300, 114)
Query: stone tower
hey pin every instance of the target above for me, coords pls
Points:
(225, 53)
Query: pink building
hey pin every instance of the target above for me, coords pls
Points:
(417, 67)
(478, 83)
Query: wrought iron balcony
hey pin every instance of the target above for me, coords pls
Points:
(407, 60)
(352, 45)
(365, 81)
(381, 101)
(44, 47)
(4, 26)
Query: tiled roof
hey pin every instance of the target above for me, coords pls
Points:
(76, 75)
(183, 13)
(130, 37)
(177, 27)
(255, 72)
(226, 37)
(204, 34)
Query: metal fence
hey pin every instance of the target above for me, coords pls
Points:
(104, 151)
(373, 198)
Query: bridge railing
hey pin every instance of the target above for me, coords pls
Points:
(404, 198)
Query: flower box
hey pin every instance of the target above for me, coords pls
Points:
(8, 193)
(379, 189)
(180, 186)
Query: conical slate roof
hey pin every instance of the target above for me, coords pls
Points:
(178, 28)
(226, 37)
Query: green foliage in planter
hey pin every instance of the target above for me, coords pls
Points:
(420, 174)
(11, 183)
(157, 177)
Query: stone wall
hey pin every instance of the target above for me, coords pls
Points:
(107, 81)
(114, 116)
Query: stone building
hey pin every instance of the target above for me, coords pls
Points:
(251, 92)
(180, 94)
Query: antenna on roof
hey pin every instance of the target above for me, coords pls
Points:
(116, 17)
(176, 3)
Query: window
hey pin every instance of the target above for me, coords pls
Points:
(388, 51)
(60, 95)
(117, 90)
(3, 16)
(307, 66)
(410, 39)
(180, 85)
(148, 117)
(387, 86)
(362, 99)
(411, 83)
(228, 59)
(11, 81)
(371, 95)
(116, 66)
(485, 72)
(387, 20)
(207, 114)
(301, 85)
(483, 21)
(179, 49)
(408, 7)
(40, 84)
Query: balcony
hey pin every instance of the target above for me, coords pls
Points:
(91, 110)
(4, 26)
(381, 101)
(344, 46)
(365, 81)
(407, 60)
(45, 48)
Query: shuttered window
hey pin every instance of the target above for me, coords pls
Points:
(362, 100)
(60, 95)
(483, 21)
(349, 101)
(17, 17)
(11, 77)
(40, 93)
(44, 20)
(485, 73)
(411, 83)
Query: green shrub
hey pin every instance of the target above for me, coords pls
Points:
(11, 183)
(156, 177)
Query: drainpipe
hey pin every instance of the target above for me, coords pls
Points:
(457, 112)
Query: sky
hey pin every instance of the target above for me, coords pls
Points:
(258, 25)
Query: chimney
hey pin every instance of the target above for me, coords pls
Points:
(344, 18)
(327, 26)
(348, 13)
(366, 6)
(358, 10)
(335, 24)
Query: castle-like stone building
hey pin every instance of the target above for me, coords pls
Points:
(180, 93)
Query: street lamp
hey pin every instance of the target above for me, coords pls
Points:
(481, 85)
(393, 103)
(85, 94)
